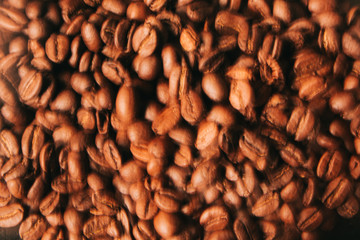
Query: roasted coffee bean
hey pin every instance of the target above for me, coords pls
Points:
(32, 141)
(266, 204)
(5, 195)
(15, 167)
(227, 22)
(255, 148)
(49, 203)
(9, 145)
(310, 218)
(112, 154)
(11, 215)
(167, 200)
(167, 224)
(145, 40)
(91, 36)
(244, 229)
(214, 218)
(350, 208)
(81, 200)
(330, 165)
(57, 47)
(336, 192)
(96, 226)
(33, 227)
(167, 119)
(354, 167)
(12, 20)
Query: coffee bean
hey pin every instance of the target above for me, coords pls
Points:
(329, 165)
(90, 36)
(167, 224)
(33, 227)
(12, 20)
(96, 226)
(309, 219)
(266, 204)
(350, 208)
(145, 40)
(214, 218)
(336, 192)
(57, 47)
(15, 167)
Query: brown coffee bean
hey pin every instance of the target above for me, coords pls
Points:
(291, 192)
(146, 208)
(12, 20)
(207, 135)
(16, 188)
(301, 123)
(167, 119)
(115, 72)
(329, 40)
(96, 226)
(91, 36)
(112, 154)
(32, 141)
(214, 87)
(104, 203)
(184, 156)
(65, 101)
(336, 192)
(354, 167)
(214, 218)
(9, 145)
(286, 214)
(330, 165)
(147, 68)
(227, 22)
(81, 200)
(350, 208)
(167, 200)
(125, 104)
(15, 167)
(116, 7)
(49, 203)
(244, 228)
(8, 93)
(5, 195)
(131, 172)
(255, 148)
(204, 175)
(76, 166)
(292, 155)
(145, 40)
(57, 47)
(310, 218)
(144, 230)
(166, 224)
(189, 39)
(33, 227)
(241, 97)
(11, 215)
(266, 204)
(246, 182)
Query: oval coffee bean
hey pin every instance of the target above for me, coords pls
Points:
(11, 215)
(214, 218)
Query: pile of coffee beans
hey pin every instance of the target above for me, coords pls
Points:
(178, 119)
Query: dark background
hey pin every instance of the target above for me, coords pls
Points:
(344, 230)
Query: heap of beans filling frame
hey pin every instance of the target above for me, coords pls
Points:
(187, 119)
